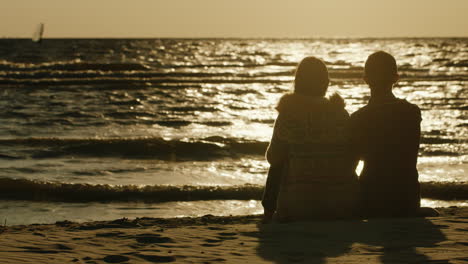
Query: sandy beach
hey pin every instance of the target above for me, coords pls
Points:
(96, 129)
(241, 239)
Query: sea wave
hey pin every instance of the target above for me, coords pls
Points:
(132, 80)
(74, 65)
(79, 72)
(150, 78)
(23, 189)
(203, 149)
(209, 148)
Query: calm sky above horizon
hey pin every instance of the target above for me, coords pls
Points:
(240, 18)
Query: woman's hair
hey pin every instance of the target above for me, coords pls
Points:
(311, 77)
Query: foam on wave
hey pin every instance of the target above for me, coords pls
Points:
(23, 189)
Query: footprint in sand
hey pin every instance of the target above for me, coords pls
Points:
(115, 259)
(220, 238)
(210, 245)
(216, 228)
(218, 260)
(110, 234)
(227, 236)
(138, 247)
(39, 250)
(156, 258)
(213, 240)
(152, 238)
(38, 234)
(63, 247)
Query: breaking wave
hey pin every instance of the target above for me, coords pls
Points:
(207, 148)
(23, 189)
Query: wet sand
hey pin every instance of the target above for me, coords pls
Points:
(241, 239)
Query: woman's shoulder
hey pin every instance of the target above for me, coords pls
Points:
(297, 103)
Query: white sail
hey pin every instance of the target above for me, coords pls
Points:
(37, 35)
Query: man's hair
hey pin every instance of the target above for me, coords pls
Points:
(380, 68)
(311, 77)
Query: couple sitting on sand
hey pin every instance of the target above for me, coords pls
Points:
(316, 146)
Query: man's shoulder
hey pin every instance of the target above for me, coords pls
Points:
(359, 113)
(412, 106)
(409, 108)
(404, 102)
(399, 105)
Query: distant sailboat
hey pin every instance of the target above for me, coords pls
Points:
(37, 35)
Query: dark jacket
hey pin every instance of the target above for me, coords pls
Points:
(385, 135)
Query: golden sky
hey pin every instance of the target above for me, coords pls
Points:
(235, 18)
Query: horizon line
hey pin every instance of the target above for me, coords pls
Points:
(253, 38)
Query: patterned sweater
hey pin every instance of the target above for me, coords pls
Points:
(309, 157)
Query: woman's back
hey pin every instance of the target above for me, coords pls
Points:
(311, 174)
(318, 181)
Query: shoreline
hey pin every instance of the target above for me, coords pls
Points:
(236, 239)
(27, 212)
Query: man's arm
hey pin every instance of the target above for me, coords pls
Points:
(353, 138)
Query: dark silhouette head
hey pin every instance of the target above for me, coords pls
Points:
(311, 77)
(380, 70)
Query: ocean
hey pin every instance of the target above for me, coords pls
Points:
(98, 129)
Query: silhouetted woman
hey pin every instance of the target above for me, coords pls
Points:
(311, 174)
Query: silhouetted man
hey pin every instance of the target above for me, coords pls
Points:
(385, 135)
